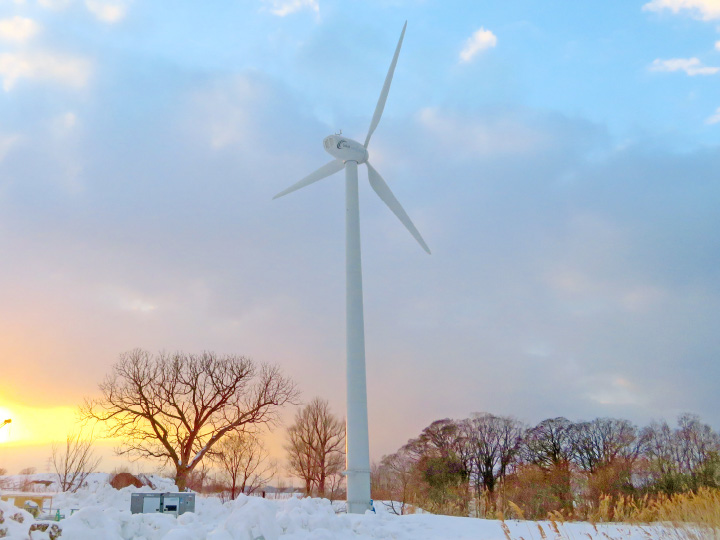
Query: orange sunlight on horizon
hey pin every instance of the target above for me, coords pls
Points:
(26, 441)
(35, 425)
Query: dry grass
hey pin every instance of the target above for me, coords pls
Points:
(701, 508)
(686, 516)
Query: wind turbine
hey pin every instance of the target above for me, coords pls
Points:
(349, 154)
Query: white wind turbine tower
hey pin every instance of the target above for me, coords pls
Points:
(349, 154)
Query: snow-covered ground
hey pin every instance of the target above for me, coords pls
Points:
(100, 512)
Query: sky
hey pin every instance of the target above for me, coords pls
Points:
(559, 158)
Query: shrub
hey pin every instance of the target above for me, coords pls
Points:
(125, 479)
(537, 492)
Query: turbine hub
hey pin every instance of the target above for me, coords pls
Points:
(345, 149)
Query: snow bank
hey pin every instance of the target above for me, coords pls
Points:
(254, 518)
(14, 522)
(98, 511)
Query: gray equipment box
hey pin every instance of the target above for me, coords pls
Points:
(162, 503)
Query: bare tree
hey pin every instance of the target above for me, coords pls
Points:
(316, 445)
(606, 451)
(74, 461)
(441, 437)
(300, 455)
(336, 486)
(678, 457)
(549, 444)
(176, 407)
(243, 459)
(661, 449)
(395, 476)
(605, 441)
(696, 443)
(445, 439)
(549, 447)
(493, 446)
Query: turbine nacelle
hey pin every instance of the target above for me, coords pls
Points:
(345, 149)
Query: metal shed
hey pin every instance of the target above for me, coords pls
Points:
(162, 503)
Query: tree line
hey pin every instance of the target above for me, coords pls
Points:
(193, 412)
(482, 464)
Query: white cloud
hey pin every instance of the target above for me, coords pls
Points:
(717, 45)
(228, 112)
(54, 4)
(489, 137)
(703, 9)
(7, 142)
(286, 7)
(691, 66)
(609, 389)
(64, 124)
(109, 11)
(106, 12)
(642, 298)
(68, 120)
(479, 41)
(67, 70)
(137, 304)
(715, 118)
(18, 29)
(127, 300)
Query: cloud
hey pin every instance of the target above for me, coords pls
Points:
(715, 118)
(488, 137)
(286, 7)
(109, 12)
(492, 134)
(63, 124)
(608, 389)
(702, 9)
(717, 45)
(54, 4)
(127, 300)
(66, 70)
(478, 42)
(106, 12)
(691, 66)
(229, 111)
(240, 113)
(7, 142)
(19, 29)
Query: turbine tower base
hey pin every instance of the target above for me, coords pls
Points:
(358, 492)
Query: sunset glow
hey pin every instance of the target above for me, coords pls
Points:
(35, 425)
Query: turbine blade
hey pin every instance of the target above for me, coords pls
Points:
(383, 191)
(385, 89)
(326, 170)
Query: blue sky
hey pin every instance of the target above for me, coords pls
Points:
(560, 159)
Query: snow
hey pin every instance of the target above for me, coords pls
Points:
(98, 511)
(15, 522)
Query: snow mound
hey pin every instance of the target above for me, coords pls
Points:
(99, 511)
(14, 522)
